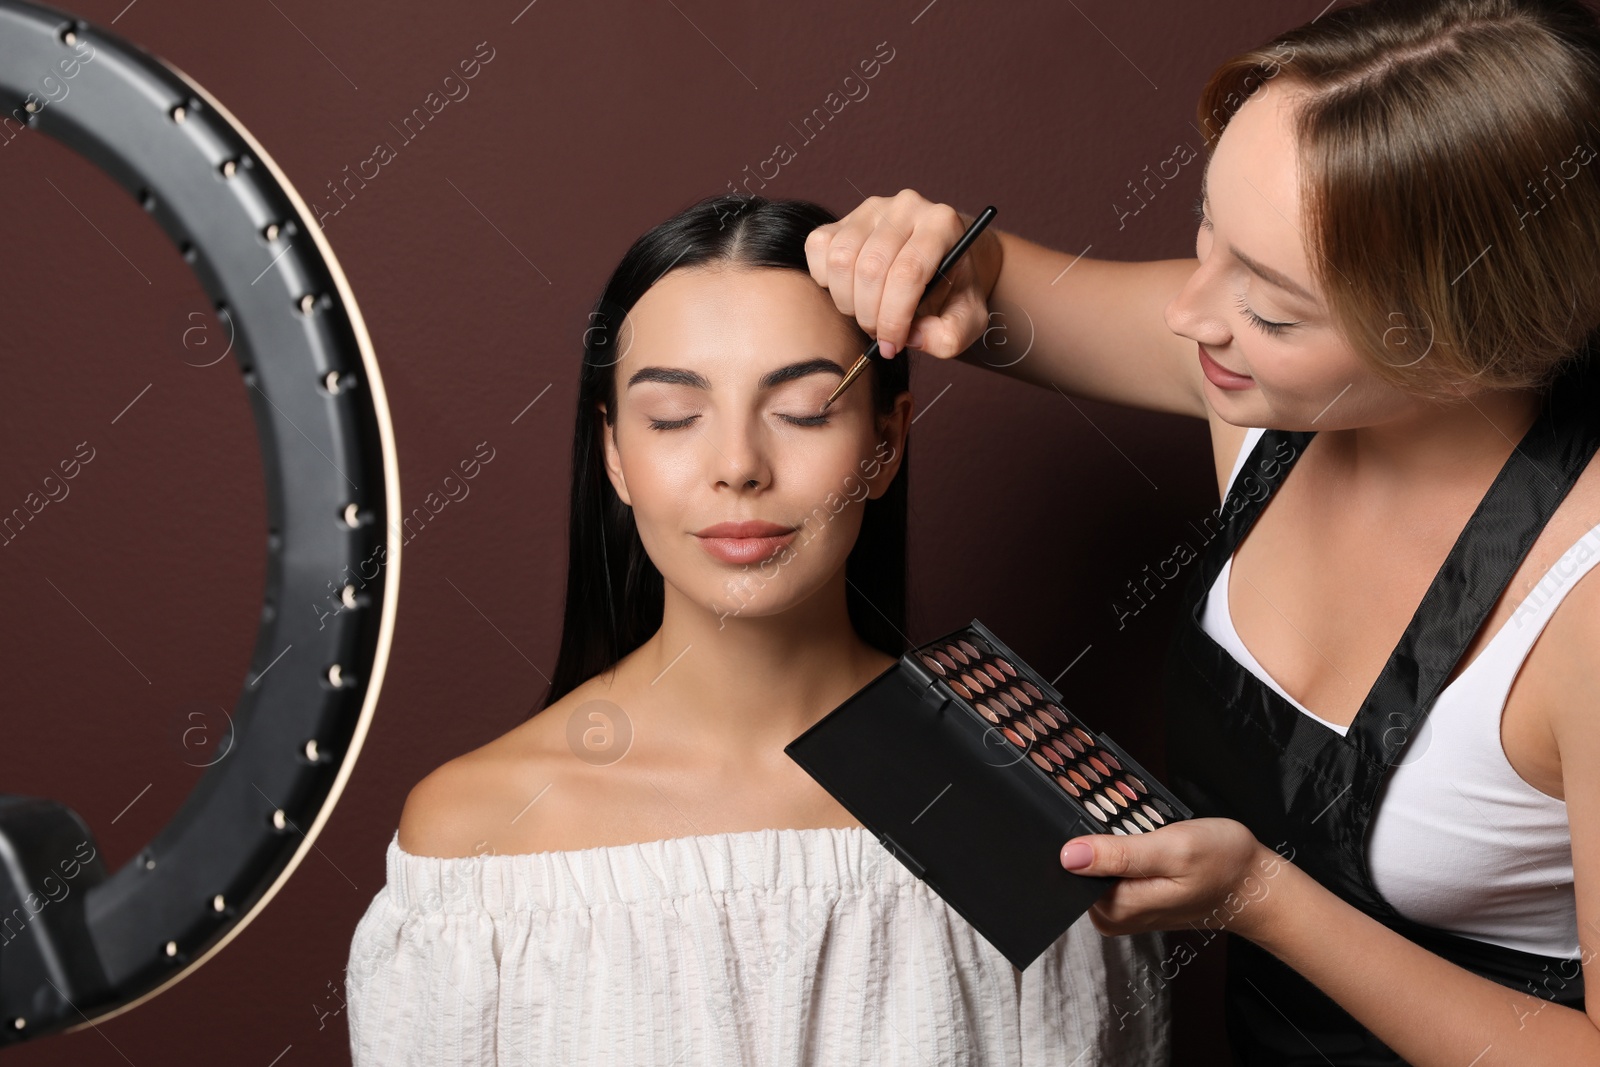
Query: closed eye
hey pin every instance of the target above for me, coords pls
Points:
(671, 424)
(806, 420)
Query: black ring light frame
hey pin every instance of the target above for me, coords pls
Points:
(110, 941)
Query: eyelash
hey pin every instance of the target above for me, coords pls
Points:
(797, 420)
(1272, 329)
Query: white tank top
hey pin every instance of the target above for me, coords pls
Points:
(1459, 841)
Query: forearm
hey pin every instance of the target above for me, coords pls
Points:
(1430, 1011)
(1092, 328)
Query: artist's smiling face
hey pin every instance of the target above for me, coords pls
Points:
(717, 421)
(1252, 303)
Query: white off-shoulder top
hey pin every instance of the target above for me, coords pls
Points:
(768, 948)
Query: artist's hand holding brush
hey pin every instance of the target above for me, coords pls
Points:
(877, 260)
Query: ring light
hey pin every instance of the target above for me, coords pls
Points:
(79, 945)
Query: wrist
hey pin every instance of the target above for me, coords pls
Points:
(1267, 887)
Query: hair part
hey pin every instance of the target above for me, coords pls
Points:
(1451, 218)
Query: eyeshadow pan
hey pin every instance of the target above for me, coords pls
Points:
(1163, 807)
(1020, 695)
(1095, 811)
(960, 656)
(1119, 830)
(959, 688)
(1089, 773)
(1155, 816)
(1083, 783)
(1025, 730)
(994, 672)
(1084, 736)
(1142, 821)
(1106, 805)
(1060, 746)
(1074, 744)
(1132, 828)
(1126, 790)
(1094, 761)
(968, 648)
(1134, 781)
(1009, 701)
(944, 660)
(1006, 666)
(1032, 689)
(1116, 797)
(990, 715)
(1055, 757)
(1109, 758)
(1011, 735)
(1066, 783)
(1042, 762)
(934, 665)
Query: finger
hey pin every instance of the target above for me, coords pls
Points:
(1148, 855)
(954, 329)
(937, 231)
(840, 258)
(877, 256)
(817, 242)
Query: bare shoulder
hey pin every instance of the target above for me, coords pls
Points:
(505, 797)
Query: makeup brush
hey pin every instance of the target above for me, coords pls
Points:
(949, 261)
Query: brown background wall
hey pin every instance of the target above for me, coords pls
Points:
(475, 254)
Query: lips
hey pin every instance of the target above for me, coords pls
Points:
(1220, 376)
(748, 528)
(750, 541)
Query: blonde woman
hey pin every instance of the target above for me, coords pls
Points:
(1384, 691)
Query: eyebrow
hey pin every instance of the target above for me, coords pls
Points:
(678, 376)
(1261, 270)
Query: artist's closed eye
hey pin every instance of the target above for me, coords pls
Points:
(672, 424)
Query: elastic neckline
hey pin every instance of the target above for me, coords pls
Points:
(758, 861)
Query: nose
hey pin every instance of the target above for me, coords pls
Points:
(740, 460)
(1196, 311)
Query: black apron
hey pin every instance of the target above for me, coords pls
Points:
(1239, 750)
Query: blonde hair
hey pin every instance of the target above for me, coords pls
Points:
(1451, 215)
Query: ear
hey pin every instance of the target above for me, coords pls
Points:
(608, 441)
(892, 430)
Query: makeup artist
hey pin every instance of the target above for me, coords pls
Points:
(1388, 328)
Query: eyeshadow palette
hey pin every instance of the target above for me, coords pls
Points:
(968, 767)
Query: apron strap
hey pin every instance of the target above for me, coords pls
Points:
(1534, 480)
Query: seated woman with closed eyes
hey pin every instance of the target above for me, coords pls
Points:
(638, 874)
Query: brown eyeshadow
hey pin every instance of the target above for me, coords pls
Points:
(1055, 757)
(1094, 761)
(1009, 701)
(934, 665)
(968, 648)
(1011, 735)
(994, 672)
(1089, 773)
(1020, 695)
(1083, 783)
(1065, 783)
(1032, 689)
(1109, 758)
(960, 656)
(1084, 736)
(1025, 730)
(987, 714)
(1042, 762)
(960, 689)
(1140, 786)
(1116, 798)
(945, 661)
(1007, 667)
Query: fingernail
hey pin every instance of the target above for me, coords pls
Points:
(886, 349)
(916, 339)
(1076, 855)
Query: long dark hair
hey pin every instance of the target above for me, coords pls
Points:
(614, 592)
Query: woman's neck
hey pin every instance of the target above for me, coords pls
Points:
(1448, 448)
(740, 682)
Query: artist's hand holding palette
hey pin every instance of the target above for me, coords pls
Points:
(966, 764)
